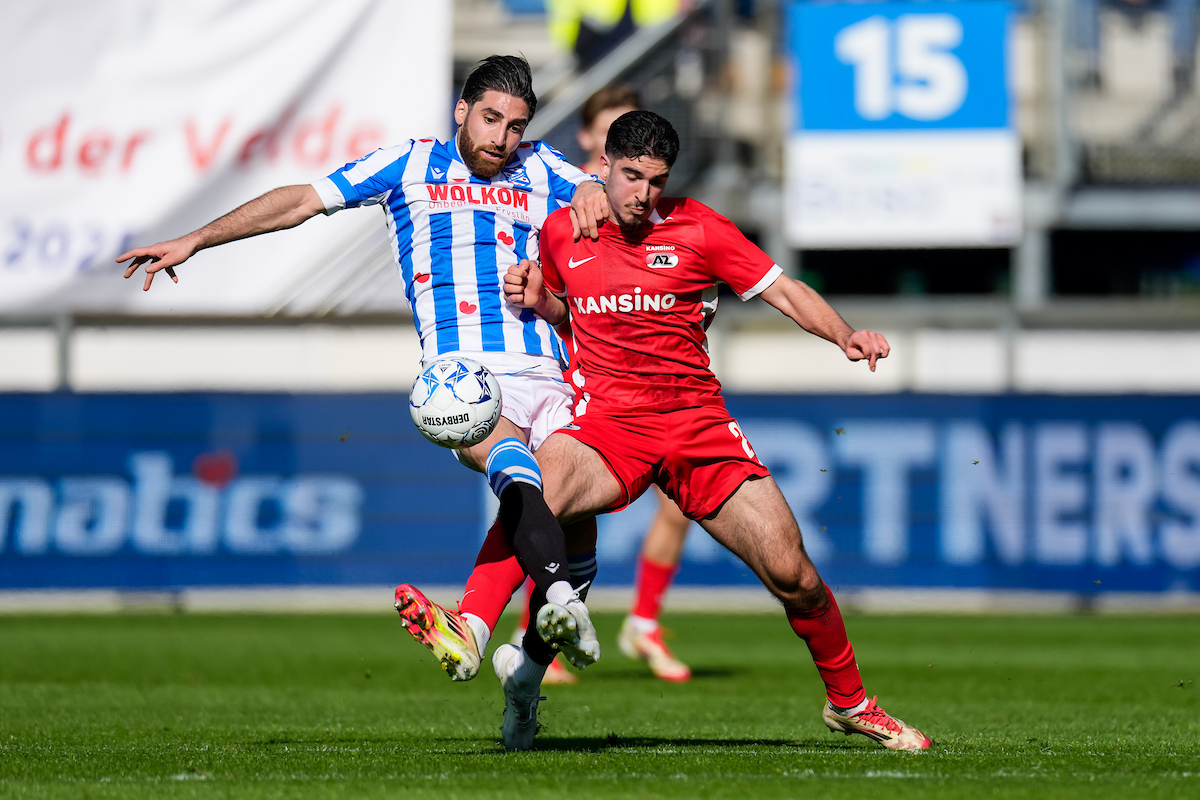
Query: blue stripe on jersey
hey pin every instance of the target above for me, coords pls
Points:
(560, 189)
(339, 180)
(533, 342)
(556, 347)
(491, 314)
(439, 158)
(445, 306)
(521, 233)
(402, 218)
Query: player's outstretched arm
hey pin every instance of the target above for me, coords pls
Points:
(810, 311)
(589, 207)
(285, 207)
(524, 287)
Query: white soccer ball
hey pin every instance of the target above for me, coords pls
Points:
(455, 402)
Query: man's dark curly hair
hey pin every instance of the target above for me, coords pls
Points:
(642, 133)
(505, 74)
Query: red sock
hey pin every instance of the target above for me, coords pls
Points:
(525, 606)
(496, 576)
(652, 583)
(824, 632)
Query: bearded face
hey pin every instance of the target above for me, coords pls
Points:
(489, 131)
(484, 160)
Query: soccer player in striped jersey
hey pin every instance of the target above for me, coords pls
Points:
(458, 214)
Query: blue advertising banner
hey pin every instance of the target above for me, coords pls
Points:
(902, 132)
(1084, 494)
(901, 65)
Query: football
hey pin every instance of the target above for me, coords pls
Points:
(455, 402)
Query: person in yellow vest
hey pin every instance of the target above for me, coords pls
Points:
(591, 29)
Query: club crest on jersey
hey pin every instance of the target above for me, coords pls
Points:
(661, 260)
(517, 175)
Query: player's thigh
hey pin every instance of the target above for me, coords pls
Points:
(476, 455)
(757, 525)
(575, 480)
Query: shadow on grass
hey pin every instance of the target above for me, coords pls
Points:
(639, 676)
(595, 744)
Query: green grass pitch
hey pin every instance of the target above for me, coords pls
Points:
(348, 707)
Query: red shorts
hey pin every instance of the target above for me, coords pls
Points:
(698, 456)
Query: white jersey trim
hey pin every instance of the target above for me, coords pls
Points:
(330, 194)
(772, 274)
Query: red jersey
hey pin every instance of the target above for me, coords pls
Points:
(640, 301)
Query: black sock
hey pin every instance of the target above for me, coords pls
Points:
(532, 644)
(534, 535)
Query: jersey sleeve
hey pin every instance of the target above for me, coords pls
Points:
(734, 259)
(366, 181)
(564, 176)
(546, 250)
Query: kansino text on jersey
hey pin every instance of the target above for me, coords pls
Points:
(624, 303)
(449, 196)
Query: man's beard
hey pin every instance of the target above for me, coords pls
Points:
(476, 163)
(632, 223)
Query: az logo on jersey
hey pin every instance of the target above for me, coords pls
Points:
(517, 175)
(661, 260)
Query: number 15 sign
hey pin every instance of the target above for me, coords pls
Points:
(903, 133)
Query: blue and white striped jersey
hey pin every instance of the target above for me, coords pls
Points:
(454, 235)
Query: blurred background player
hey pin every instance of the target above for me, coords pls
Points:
(641, 636)
(525, 354)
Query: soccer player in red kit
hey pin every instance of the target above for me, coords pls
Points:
(651, 409)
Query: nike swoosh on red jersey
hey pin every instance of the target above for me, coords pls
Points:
(572, 263)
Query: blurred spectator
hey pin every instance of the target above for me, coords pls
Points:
(1181, 16)
(593, 28)
(597, 115)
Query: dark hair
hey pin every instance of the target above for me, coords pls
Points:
(606, 98)
(506, 74)
(642, 133)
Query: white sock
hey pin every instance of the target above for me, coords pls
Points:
(530, 672)
(850, 712)
(480, 629)
(559, 593)
(642, 625)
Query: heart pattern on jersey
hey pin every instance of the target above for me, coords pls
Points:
(467, 308)
(504, 237)
(421, 277)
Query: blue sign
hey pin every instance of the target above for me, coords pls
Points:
(1084, 494)
(900, 65)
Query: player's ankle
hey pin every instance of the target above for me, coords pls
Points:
(478, 627)
(849, 711)
(560, 593)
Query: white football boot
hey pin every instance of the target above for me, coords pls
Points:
(569, 628)
(650, 647)
(875, 723)
(520, 700)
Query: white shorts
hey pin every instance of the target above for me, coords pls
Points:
(536, 398)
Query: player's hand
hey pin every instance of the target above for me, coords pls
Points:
(866, 344)
(523, 284)
(589, 208)
(157, 257)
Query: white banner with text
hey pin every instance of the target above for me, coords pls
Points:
(125, 123)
